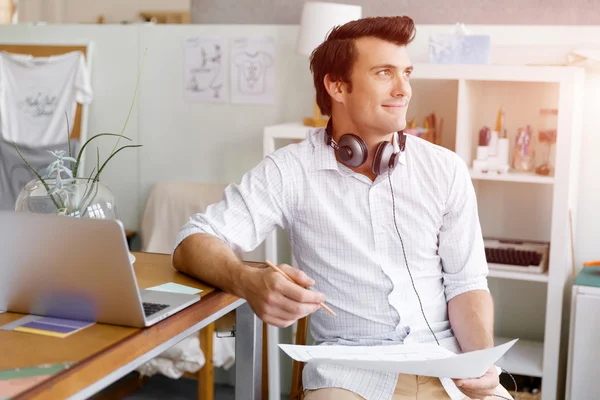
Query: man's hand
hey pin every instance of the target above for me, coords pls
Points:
(480, 388)
(277, 301)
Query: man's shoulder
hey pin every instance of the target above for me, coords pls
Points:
(298, 153)
(431, 152)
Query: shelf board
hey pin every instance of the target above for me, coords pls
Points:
(524, 358)
(291, 130)
(521, 276)
(508, 73)
(528, 177)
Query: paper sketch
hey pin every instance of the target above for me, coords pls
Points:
(252, 70)
(416, 352)
(205, 61)
(416, 359)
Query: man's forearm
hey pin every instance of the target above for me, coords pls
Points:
(471, 316)
(208, 259)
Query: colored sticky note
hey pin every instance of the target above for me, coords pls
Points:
(48, 327)
(57, 327)
(175, 288)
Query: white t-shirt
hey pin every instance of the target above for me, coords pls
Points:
(35, 93)
(252, 71)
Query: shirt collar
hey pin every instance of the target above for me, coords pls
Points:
(324, 156)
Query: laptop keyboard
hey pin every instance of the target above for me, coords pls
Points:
(152, 308)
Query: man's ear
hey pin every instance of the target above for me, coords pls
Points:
(336, 89)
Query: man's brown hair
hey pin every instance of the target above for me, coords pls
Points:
(337, 54)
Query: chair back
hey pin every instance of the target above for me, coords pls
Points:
(297, 391)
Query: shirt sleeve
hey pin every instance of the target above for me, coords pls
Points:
(247, 212)
(461, 248)
(83, 85)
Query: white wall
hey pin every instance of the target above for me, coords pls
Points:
(203, 141)
(87, 11)
(218, 143)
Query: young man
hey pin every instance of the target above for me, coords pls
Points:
(392, 239)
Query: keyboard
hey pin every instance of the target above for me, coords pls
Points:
(515, 255)
(153, 308)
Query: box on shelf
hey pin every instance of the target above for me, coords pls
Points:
(459, 47)
(517, 255)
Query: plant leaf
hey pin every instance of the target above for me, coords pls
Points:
(90, 177)
(137, 84)
(38, 176)
(97, 177)
(69, 136)
(86, 143)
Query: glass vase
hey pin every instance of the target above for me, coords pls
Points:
(80, 197)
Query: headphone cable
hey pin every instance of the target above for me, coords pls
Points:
(406, 259)
(415, 288)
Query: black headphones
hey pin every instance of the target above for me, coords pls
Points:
(352, 151)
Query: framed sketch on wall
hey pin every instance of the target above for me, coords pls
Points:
(205, 61)
(252, 70)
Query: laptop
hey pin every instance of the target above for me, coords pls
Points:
(76, 268)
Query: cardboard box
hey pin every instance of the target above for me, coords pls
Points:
(459, 49)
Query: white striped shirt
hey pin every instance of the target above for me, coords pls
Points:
(342, 235)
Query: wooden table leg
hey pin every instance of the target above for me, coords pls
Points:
(206, 386)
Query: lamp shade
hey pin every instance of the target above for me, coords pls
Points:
(318, 19)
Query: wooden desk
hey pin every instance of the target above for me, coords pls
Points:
(105, 353)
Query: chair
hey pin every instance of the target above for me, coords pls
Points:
(297, 391)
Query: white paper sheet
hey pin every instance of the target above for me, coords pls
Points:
(253, 70)
(173, 287)
(425, 360)
(205, 73)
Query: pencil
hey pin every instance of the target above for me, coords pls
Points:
(286, 276)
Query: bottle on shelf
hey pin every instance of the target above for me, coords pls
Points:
(524, 152)
(546, 139)
(492, 148)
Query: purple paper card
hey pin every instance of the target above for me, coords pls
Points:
(70, 323)
(48, 327)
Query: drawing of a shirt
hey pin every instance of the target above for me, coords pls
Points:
(252, 71)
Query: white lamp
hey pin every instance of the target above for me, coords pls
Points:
(318, 19)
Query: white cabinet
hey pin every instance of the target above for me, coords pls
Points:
(515, 205)
(584, 345)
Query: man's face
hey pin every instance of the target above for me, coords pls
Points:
(380, 87)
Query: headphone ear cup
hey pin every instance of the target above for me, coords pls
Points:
(352, 150)
(382, 158)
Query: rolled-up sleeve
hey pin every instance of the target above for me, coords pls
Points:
(464, 265)
(247, 212)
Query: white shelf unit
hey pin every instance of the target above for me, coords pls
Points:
(521, 276)
(526, 357)
(525, 177)
(277, 249)
(514, 205)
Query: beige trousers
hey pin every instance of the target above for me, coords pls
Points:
(409, 387)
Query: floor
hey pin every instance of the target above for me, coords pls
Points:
(160, 387)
